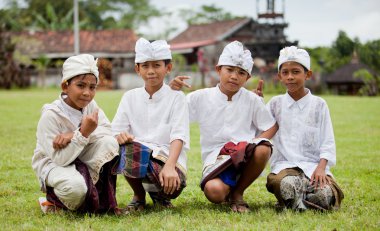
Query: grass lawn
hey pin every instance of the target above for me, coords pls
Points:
(357, 133)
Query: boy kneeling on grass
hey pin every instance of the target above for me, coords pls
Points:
(304, 145)
(235, 127)
(152, 127)
(75, 147)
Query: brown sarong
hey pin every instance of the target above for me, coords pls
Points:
(100, 198)
(274, 182)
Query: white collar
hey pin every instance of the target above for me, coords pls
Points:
(223, 97)
(157, 95)
(301, 103)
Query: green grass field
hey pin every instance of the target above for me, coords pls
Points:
(357, 133)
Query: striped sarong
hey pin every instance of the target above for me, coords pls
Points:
(136, 161)
(133, 160)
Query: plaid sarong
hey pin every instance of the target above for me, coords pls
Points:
(136, 161)
(152, 178)
(133, 160)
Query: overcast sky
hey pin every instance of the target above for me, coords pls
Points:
(311, 22)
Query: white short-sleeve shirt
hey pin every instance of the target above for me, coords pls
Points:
(305, 133)
(222, 121)
(155, 122)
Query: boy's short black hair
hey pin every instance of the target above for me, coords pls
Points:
(166, 61)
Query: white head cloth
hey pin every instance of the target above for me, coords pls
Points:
(79, 65)
(157, 50)
(294, 54)
(234, 55)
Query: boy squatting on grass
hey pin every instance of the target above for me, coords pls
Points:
(232, 123)
(152, 127)
(75, 147)
(304, 145)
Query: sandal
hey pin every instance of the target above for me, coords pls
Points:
(136, 205)
(157, 200)
(239, 206)
(120, 212)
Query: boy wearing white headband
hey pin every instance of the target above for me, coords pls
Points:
(304, 146)
(75, 147)
(235, 127)
(152, 127)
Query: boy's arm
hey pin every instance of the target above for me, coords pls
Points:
(169, 178)
(327, 146)
(268, 134)
(47, 130)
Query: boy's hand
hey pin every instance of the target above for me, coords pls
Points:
(178, 82)
(124, 138)
(319, 178)
(259, 90)
(89, 123)
(169, 179)
(62, 140)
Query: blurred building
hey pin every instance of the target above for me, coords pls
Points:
(114, 48)
(343, 81)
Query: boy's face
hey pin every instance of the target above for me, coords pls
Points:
(293, 76)
(231, 78)
(153, 72)
(80, 91)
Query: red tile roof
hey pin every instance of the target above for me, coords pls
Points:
(60, 44)
(206, 34)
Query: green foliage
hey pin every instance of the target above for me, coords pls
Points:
(343, 46)
(179, 62)
(369, 53)
(51, 21)
(94, 14)
(328, 59)
(356, 172)
(371, 83)
(10, 74)
(207, 14)
(341, 52)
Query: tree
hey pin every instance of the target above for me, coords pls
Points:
(50, 20)
(12, 17)
(93, 14)
(369, 54)
(206, 14)
(341, 51)
(10, 73)
(371, 83)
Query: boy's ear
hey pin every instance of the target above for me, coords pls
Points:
(309, 74)
(218, 68)
(64, 86)
(169, 67)
(137, 69)
(278, 75)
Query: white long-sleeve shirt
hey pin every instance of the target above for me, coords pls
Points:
(222, 121)
(155, 122)
(57, 118)
(305, 133)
